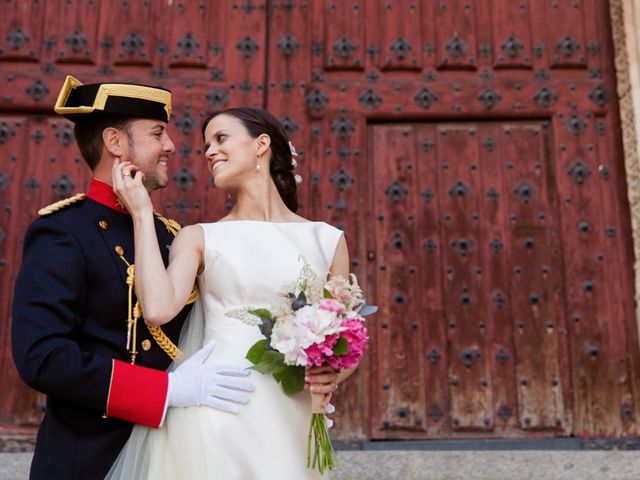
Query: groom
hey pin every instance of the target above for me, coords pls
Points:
(78, 334)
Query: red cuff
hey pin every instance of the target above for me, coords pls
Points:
(137, 394)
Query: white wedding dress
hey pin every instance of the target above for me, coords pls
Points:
(246, 264)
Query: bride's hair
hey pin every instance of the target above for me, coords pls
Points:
(257, 122)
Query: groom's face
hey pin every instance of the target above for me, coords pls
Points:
(149, 148)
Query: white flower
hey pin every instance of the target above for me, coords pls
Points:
(295, 333)
(319, 323)
(293, 149)
(291, 341)
(298, 179)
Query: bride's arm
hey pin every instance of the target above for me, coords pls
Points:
(162, 293)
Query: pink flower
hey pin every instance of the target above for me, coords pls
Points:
(356, 337)
(318, 353)
(331, 305)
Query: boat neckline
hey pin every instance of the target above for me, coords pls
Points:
(264, 221)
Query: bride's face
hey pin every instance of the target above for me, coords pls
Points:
(230, 151)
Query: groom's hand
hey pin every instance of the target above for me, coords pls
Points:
(218, 386)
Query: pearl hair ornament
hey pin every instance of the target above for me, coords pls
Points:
(294, 154)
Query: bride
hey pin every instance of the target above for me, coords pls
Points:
(241, 260)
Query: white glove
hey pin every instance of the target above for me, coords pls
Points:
(217, 386)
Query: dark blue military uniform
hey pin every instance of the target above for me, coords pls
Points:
(69, 322)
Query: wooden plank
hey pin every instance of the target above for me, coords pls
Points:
(618, 288)
(429, 297)
(537, 276)
(460, 191)
(400, 404)
(595, 378)
(496, 272)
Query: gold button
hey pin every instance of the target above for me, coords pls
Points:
(146, 345)
(119, 250)
(103, 224)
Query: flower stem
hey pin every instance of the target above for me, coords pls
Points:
(323, 452)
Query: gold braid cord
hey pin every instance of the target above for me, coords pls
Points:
(59, 205)
(164, 342)
(135, 312)
(171, 225)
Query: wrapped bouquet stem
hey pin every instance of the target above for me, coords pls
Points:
(314, 323)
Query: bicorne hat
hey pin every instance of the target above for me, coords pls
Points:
(79, 102)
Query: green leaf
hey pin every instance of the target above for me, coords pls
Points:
(263, 313)
(341, 347)
(254, 355)
(292, 380)
(271, 362)
(326, 293)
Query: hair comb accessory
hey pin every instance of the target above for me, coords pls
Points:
(293, 154)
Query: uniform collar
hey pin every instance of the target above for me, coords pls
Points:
(102, 193)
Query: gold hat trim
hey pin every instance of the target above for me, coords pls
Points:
(107, 90)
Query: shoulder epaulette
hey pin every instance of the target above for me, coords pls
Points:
(172, 226)
(59, 205)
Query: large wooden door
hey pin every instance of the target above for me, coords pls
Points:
(469, 149)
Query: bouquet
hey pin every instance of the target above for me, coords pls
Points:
(313, 323)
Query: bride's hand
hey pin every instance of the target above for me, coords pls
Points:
(321, 380)
(128, 186)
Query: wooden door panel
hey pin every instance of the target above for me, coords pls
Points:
(71, 31)
(511, 34)
(400, 384)
(456, 34)
(128, 36)
(22, 33)
(497, 330)
(565, 36)
(191, 24)
(399, 36)
(345, 43)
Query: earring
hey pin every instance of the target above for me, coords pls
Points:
(258, 167)
(258, 163)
